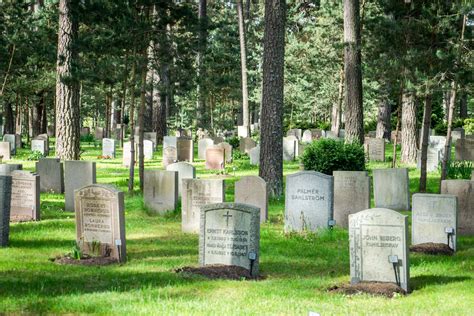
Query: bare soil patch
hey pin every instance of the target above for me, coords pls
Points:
(220, 272)
(86, 261)
(432, 249)
(375, 288)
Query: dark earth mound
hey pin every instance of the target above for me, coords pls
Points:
(432, 249)
(219, 272)
(374, 288)
(86, 261)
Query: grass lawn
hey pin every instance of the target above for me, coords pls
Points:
(298, 269)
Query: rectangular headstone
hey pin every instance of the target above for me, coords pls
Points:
(311, 135)
(13, 140)
(76, 175)
(25, 196)
(185, 148)
(127, 155)
(391, 189)
(290, 148)
(457, 133)
(147, 149)
(464, 149)
(170, 141)
(50, 171)
(376, 149)
(170, 155)
(5, 199)
(464, 191)
(202, 146)
(227, 151)
(100, 221)
(7, 168)
(99, 133)
(296, 132)
(108, 147)
(215, 157)
(185, 171)
(253, 190)
(246, 144)
(255, 155)
(433, 158)
(161, 190)
(5, 150)
(40, 146)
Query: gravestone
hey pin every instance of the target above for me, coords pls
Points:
(432, 215)
(85, 131)
(227, 151)
(376, 149)
(290, 148)
(170, 141)
(217, 140)
(50, 171)
(13, 140)
(457, 133)
(252, 190)
(25, 196)
(331, 135)
(99, 133)
(108, 147)
(391, 189)
(296, 132)
(215, 158)
(255, 155)
(7, 168)
(185, 149)
(464, 191)
(433, 158)
(310, 135)
(170, 155)
(127, 155)
(160, 190)
(100, 221)
(40, 146)
(351, 194)
(5, 199)
(185, 171)
(5, 150)
(147, 149)
(464, 149)
(202, 146)
(230, 235)
(246, 144)
(76, 175)
(308, 201)
(378, 240)
(51, 131)
(242, 131)
(151, 136)
(197, 193)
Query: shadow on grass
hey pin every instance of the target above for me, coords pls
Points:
(422, 281)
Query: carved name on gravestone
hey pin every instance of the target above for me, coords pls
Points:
(25, 196)
(464, 191)
(185, 149)
(464, 149)
(197, 193)
(246, 144)
(99, 133)
(376, 149)
(7, 168)
(434, 219)
(230, 235)
(202, 146)
(227, 151)
(76, 175)
(215, 157)
(5, 199)
(161, 190)
(100, 221)
(108, 147)
(13, 140)
(50, 171)
(391, 189)
(296, 132)
(255, 155)
(170, 155)
(351, 194)
(308, 201)
(252, 190)
(379, 247)
(290, 148)
(5, 150)
(185, 171)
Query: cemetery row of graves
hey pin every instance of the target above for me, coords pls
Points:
(369, 221)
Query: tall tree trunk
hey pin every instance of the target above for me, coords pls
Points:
(447, 146)
(463, 105)
(44, 117)
(243, 63)
(397, 128)
(67, 86)
(271, 146)
(19, 115)
(425, 139)
(409, 149)
(384, 127)
(108, 104)
(336, 115)
(37, 115)
(9, 121)
(141, 122)
(201, 113)
(131, 178)
(150, 86)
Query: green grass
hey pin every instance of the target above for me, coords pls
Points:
(298, 269)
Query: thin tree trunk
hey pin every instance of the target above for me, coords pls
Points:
(243, 63)
(124, 100)
(409, 148)
(131, 178)
(463, 105)
(337, 107)
(18, 113)
(9, 127)
(425, 139)
(383, 118)
(201, 113)
(141, 114)
(447, 147)
(397, 129)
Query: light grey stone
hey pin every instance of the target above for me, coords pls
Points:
(331, 135)
(255, 155)
(252, 190)
(14, 140)
(185, 149)
(160, 190)
(290, 148)
(25, 196)
(99, 133)
(50, 171)
(391, 189)
(5, 151)
(108, 147)
(127, 155)
(227, 151)
(5, 199)
(342, 133)
(185, 171)
(170, 141)
(464, 191)
(464, 149)
(202, 146)
(296, 132)
(40, 146)
(242, 131)
(76, 175)
(7, 168)
(147, 149)
(376, 149)
(457, 133)
(311, 135)
(246, 144)
(433, 159)
(170, 155)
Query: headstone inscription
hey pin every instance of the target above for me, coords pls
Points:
(464, 149)
(76, 175)
(185, 149)
(252, 190)
(50, 171)
(100, 221)
(25, 196)
(202, 146)
(391, 189)
(170, 155)
(230, 235)
(5, 199)
(246, 144)
(255, 155)
(5, 150)
(464, 191)
(376, 149)
(308, 201)
(185, 171)
(108, 147)
(215, 157)
(161, 190)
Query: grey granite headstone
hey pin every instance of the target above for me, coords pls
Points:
(375, 236)
(230, 235)
(464, 191)
(432, 214)
(202, 146)
(351, 194)
(227, 151)
(215, 157)
(457, 133)
(197, 193)
(108, 147)
(246, 144)
(253, 190)
(296, 132)
(185, 171)
(25, 196)
(99, 133)
(376, 149)
(50, 171)
(161, 190)
(308, 201)
(7, 168)
(40, 146)
(185, 149)
(5, 199)
(13, 140)
(76, 175)
(5, 150)
(391, 189)
(100, 221)
(464, 149)
(170, 141)
(255, 155)
(290, 148)
(170, 155)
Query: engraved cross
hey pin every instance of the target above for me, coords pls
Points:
(227, 218)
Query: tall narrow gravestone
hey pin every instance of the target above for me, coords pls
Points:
(391, 189)
(185, 171)
(185, 149)
(253, 190)
(230, 235)
(5, 199)
(76, 175)
(197, 193)
(127, 154)
(25, 197)
(378, 244)
(351, 194)
(464, 191)
(308, 201)
(108, 147)
(161, 190)
(5, 150)
(434, 219)
(50, 171)
(202, 146)
(100, 221)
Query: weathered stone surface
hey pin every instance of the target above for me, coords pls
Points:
(14, 140)
(202, 146)
(25, 196)
(5, 150)
(197, 193)
(7, 168)
(464, 191)
(100, 221)
(5, 199)
(76, 175)
(464, 149)
(252, 190)
(161, 190)
(227, 151)
(185, 171)
(230, 235)
(433, 159)
(376, 149)
(217, 140)
(375, 235)
(246, 144)
(40, 146)
(108, 147)
(255, 155)
(99, 133)
(391, 189)
(296, 132)
(308, 201)
(290, 148)
(170, 155)
(170, 141)
(351, 194)
(185, 149)
(50, 171)
(331, 135)
(431, 215)
(457, 133)
(215, 157)
(311, 135)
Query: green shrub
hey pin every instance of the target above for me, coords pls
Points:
(328, 155)
(234, 141)
(459, 169)
(89, 138)
(469, 126)
(35, 155)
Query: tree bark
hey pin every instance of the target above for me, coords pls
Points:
(201, 113)
(271, 147)
(131, 177)
(384, 127)
(9, 121)
(447, 146)
(409, 149)
(336, 115)
(243, 63)
(425, 139)
(37, 115)
(141, 114)
(463, 105)
(67, 86)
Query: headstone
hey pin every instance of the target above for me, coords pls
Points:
(185, 149)
(242, 131)
(7, 168)
(99, 133)
(40, 146)
(85, 131)
(5, 150)
(197, 193)
(5, 199)
(151, 136)
(170, 155)
(100, 221)
(215, 157)
(161, 190)
(252, 190)
(457, 133)
(464, 190)
(311, 135)
(342, 133)
(246, 144)
(308, 201)
(202, 146)
(147, 149)
(51, 131)
(108, 147)
(290, 148)
(432, 216)
(25, 196)
(464, 149)
(76, 175)
(127, 154)
(376, 149)
(378, 243)
(217, 140)
(170, 141)
(255, 155)
(50, 171)
(230, 235)
(297, 132)
(433, 158)
(351, 194)
(391, 189)
(46, 139)
(331, 135)
(227, 151)
(185, 171)
(13, 140)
